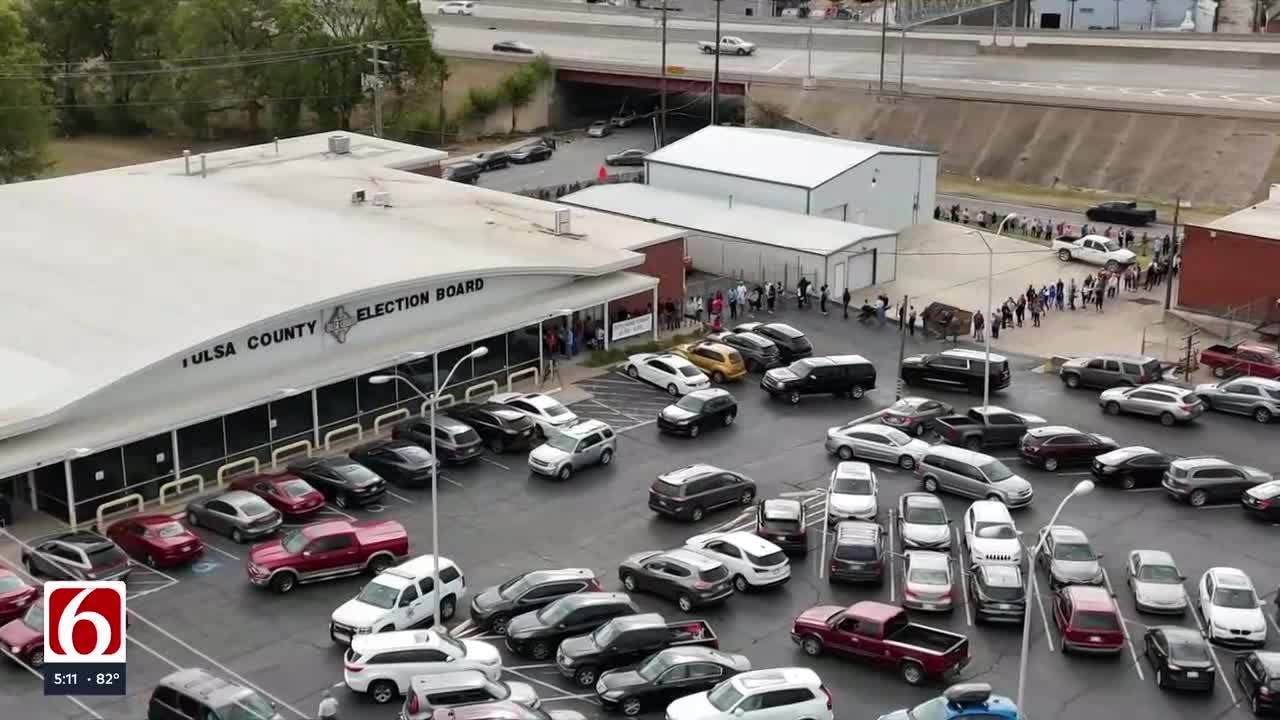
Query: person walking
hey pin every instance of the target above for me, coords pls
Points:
(328, 709)
(882, 305)
(1071, 295)
(977, 326)
(1098, 295)
(844, 302)
(1020, 310)
(1036, 309)
(822, 300)
(911, 321)
(802, 292)
(1060, 297)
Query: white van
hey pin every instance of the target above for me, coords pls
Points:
(400, 598)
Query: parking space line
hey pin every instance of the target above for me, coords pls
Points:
(463, 626)
(530, 667)
(400, 497)
(1124, 628)
(615, 412)
(637, 425)
(964, 578)
(336, 511)
(1218, 507)
(1272, 620)
(210, 546)
(494, 463)
(569, 697)
(1035, 590)
(1150, 489)
(1074, 472)
(529, 678)
(1213, 653)
(451, 481)
(893, 565)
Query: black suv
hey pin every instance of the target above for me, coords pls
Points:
(757, 351)
(538, 634)
(792, 344)
(500, 427)
(397, 461)
(690, 492)
(699, 410)
(194, 693)
(464, 172)
(75, 555)
(493, 607)
(456, 442)
(851, 375)
(957, 369)
(858, 552)
(997, 593)
(782, 521)
(343, 480)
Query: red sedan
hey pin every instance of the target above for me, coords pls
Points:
(157, 539)
(288, 493)
(15, 596)
(24, 638)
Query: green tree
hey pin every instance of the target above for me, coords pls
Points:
(70, 32)
(25, 115)
(139, 36)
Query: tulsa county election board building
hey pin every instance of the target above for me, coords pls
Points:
(170, 323)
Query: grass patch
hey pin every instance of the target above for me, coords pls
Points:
(90, 153)
(615, 355)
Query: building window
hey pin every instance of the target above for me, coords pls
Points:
(336, 402)
(148, 464)
(51, 490)
(376, 397)
(447, 360)
(292, 418)
(201, 443)
(522, 345)
(96, 479)
(495, 360)
(419, 372)
(247, 429)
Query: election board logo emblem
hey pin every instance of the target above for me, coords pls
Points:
(340, 323)
(84, 622)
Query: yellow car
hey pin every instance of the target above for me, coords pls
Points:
(721, 362)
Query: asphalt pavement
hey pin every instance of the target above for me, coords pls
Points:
(498, 520)
(577, 158)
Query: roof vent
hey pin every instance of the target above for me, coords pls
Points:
(357, 197)
(562, 221)
(382, 198)
(339, 144)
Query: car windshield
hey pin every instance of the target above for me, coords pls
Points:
(34, 618)
(513, 588)
(689, 371)
(555, 613)
(413, 453)
(929, 576)
(995, 471)
(254, 507)
(9, 583)
(904, 407)
(293, 541)
(1096, 621)
(851, 486)
(249, 706)
(1110, 245)
(379, 595)
(690, 403)
(1240, 598)
(459, 649)
(656, 665)
(1073, 552)
(995, 531)
(1273, 394)
(1189, 650)
(357, 474)
(555, 409)
(924, 515)
(562, 442)
(604, 635)
(295, 488)
(724, 696)
(169, 530)
(897, 437)
(1166, 574)
(935, 709)
(105, 556)
(766, 560)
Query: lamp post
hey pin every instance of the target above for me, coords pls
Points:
(662, 83)
(1084, 487)
(715, 74)
(986, 338)
(435, 459)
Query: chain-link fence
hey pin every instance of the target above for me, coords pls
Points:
(553, 192)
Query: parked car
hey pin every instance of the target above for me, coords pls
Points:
(875, 441)
(839, 375)
(599, 129)
(1242, 359)
(1262, 501)
(753, 562)
(623, 118)
(783, 521)
(1056, 446)
(443, 691)
(239, 515)
(1170, 403)
(1109, 370)
(492, 159)
(990, 534)
(1230, 607)
(513, 46)
(1068, 558)
(973, 474)
(536, 151)
(1131, 467)
(1155, 582)
(881, 633)
(399, 598)
(15, 596)
(1121, 212)
(399, 462)
(927, 581)
(690, 578)
(502, 429)
(1258, 675)
(549, 416)
(915, 415)
(986, 427)
(633, 157)
(1256, 397)
(666, 676)
(195, 693)
(415, 709)
(154, 538)
(327, 550)
(1180, 657)
(464, 171)
(966, 701)
(758, 352)
(538, 633)
(1095, 250)
(342, 480)
(23, 636)
(292, 496)
(699, 410)
(923, 523)
(587, 443)
(1087, 620)
(493, 607)
(997, 592)
(383, 665)
(957, 368)
(456, 442)
(690, 492)
(457, 7)
(721, 362)
(625, 641)
(857, 552)
(75, 555)
(852, 493)
(670, 372)
(791, 343)
(793, 692)
(1202, 480)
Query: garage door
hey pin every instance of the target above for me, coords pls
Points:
(861, 272)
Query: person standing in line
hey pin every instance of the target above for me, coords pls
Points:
(770, 296)
(977, 326)
(902, 316)
(996, 314)
(911, 321)
(697, 309)
(1071, 295)
(733, 303)
(1020, 310)
(1098, 295)
(1036, 309)
(844, 302)
(1177, 263)
(822, 300)
(882, 306)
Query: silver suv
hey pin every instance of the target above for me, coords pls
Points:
(1202, 480)
(1170, 403)
(1254, 396)
(973, 474)
(587, 443)
(1107, 371)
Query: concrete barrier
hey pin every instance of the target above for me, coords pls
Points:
(177, 486)
(346, 430)
(488, 387)
(235, 468)
(446, 400)
(290, 450)
(400, 414)
(522, 374)
(135, 498)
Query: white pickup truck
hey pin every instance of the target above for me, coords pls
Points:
(1095, 250)
(729, 45)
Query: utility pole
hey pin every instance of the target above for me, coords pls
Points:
(902, 340)
(715, 75)
(375, 84)
(1168, 284)
(662, 83)
(884, 37)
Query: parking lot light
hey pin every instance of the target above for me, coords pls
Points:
(986, 381)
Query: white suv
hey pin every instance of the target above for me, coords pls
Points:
(457, 7)
(753, 561)
(775, 694)
(852, 494)
(399, 598)
(990, 535)
(384, 665)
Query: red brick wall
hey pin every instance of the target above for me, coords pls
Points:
(434, 170)
(664, 261)
(1226, 270)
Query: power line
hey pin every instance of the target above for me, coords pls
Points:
(177, 101)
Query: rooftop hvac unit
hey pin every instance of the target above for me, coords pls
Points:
(562, 221)
(382, 198)
(339, 144)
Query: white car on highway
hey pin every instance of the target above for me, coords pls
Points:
(670, 372)
(1095, 250)
(398, 599)
(753, 561)
(384, 665)
(852, 493)
(457, 7)
(547, 414)
(990, 535)
(1231, 609)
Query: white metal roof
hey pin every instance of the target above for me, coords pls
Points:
(1259, 220)
(793, 231)
(780, 156)
(108, 273)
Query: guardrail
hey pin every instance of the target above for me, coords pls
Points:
(289, 451)
(440, 403)
(400, 414)
(127, 499)
(488, 387)
(235, 468)
(537, 376)
(353, 428)
(177, 486)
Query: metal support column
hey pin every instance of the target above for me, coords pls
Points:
(177, 465)
(315, 420)
(31, 490)
(715, 74)
(902, 63)
(655, 314)
(608, 325)
(71, 493)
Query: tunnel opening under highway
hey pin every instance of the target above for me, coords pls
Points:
(582, 98)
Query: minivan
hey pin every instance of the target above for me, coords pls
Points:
(195, 693)
(851, 375)
(973, 474)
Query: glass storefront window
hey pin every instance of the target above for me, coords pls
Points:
(336, 402)
(148, 464)
(495, 360)
(247, 429)
(96, 479)
(447, 360)
(292, 416)
(522, 345)
(376, 397)
(201, 443)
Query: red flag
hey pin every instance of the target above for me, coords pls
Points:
(603, 174)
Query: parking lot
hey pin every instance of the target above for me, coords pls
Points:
(497, 520)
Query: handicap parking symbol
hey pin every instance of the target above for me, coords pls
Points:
(375, 507)
(205, 566)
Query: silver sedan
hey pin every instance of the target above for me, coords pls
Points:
(875, 442)
(238, 514)
(915, 415)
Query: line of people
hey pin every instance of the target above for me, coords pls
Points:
(1044, 228)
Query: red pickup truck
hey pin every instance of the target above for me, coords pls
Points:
(881, 634)
(325, 550)
(1242, 359)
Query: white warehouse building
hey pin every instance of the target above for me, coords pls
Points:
(855, 182)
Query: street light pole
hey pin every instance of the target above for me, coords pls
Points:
(662, 83)
(1084, 487)
(715, 75)
(884, 38)
(986, 336)
(435, 459)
